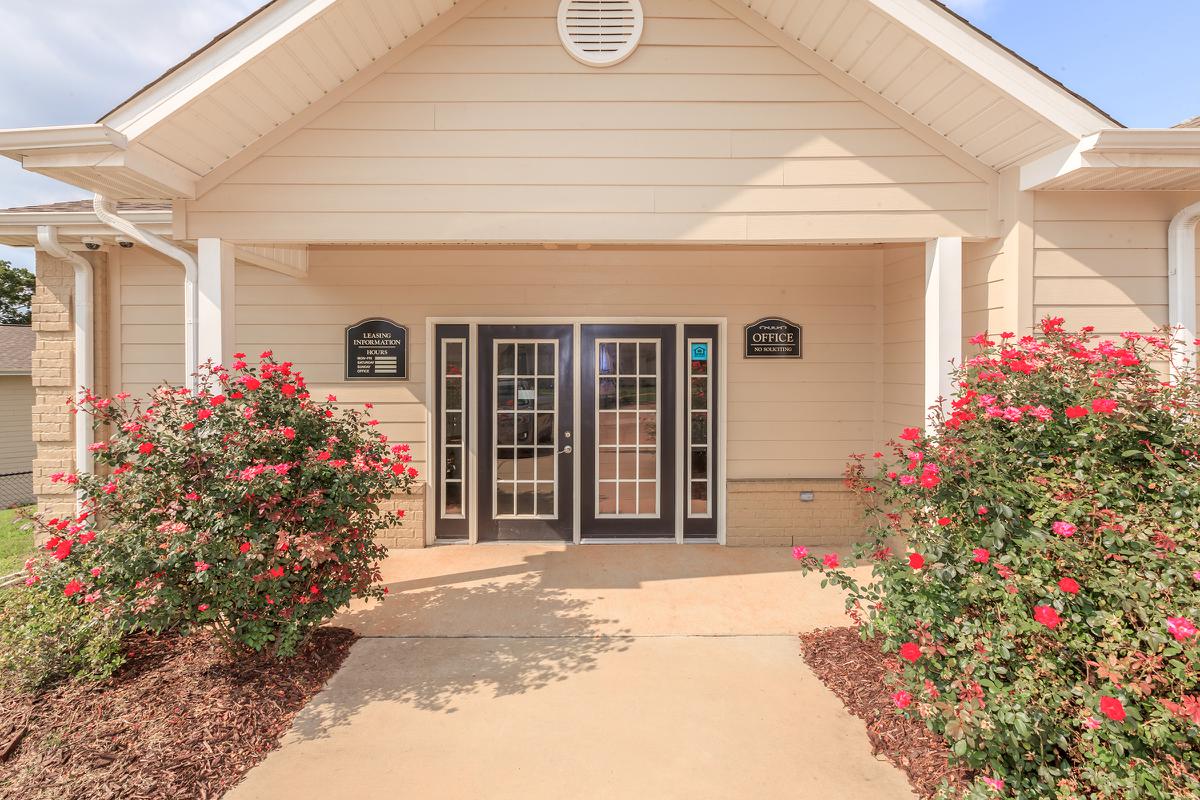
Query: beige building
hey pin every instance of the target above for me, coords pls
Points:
(16, 415)
(638, 269)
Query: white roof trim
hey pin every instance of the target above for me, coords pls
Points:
(994, 64)
(15, 142)
(1117, 148)
(265, 28)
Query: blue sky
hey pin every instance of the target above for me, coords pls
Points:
(70, 62)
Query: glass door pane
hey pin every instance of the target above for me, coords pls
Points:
(627, 424)
(525, 429)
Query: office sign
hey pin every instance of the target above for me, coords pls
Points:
(773, 337)
(376, 349)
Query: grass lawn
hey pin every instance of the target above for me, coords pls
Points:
(16, 540)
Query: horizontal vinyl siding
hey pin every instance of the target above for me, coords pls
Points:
(493, 132)
(903, 393)
(151, 320)
(1101, 258)
(786, 418)
(984, 265)
(16, 423)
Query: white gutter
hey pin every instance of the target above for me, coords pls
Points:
(1181, 282)
(85, 348)
(106, 212)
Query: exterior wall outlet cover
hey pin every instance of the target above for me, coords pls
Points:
(807, 497)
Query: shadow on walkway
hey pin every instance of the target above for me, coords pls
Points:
(551, 635)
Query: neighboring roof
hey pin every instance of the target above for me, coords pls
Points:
(86, 206)
(76, 219)
(1194, 122)
(16, 349)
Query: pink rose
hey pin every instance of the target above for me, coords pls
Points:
(1064, 529)
(1181, 628)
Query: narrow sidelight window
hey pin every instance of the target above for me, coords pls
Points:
(700, 428)
(453, 428)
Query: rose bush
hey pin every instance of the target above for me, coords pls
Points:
(1036, 568)
(246, 506)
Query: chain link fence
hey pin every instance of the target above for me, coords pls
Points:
(16, 489)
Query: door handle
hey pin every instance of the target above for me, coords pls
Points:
(565, 451)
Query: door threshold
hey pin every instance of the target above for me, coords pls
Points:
(627, 540)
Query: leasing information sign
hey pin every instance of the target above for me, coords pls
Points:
(376, 349)
(773, 337)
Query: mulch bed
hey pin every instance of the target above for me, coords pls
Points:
(181, 719)
(854, 670)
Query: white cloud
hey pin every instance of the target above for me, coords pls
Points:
(71, 62)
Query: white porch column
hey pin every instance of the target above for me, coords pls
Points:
(943, 315)
(214, 315)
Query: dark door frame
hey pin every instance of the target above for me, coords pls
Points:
(561, 528)
(662, 526)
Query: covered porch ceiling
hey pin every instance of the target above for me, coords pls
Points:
(293, 59)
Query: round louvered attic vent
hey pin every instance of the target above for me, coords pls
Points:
(600, 33)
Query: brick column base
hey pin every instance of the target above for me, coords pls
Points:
(412, 532)
(770, 513)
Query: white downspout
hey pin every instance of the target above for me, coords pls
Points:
(106, 212)
(47, 237)
(1181, 283)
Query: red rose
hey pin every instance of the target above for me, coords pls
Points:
(187, 426)
(244, 547)
(981, 556)
(1047, 616)
(916, 560)
(1075, 412)
(287, 389)
(1111, 707)
(910, 434)
(944, 521)
(72, 587)
(1103, 405)
(251, 383)
(145, 448)
(830, 560)
(1069, 585)
(910, 651)
(203, 413)
(216, 400)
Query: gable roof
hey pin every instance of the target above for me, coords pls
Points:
(291, 59)
(16, 349)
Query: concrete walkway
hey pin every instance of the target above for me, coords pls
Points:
(606, 671)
